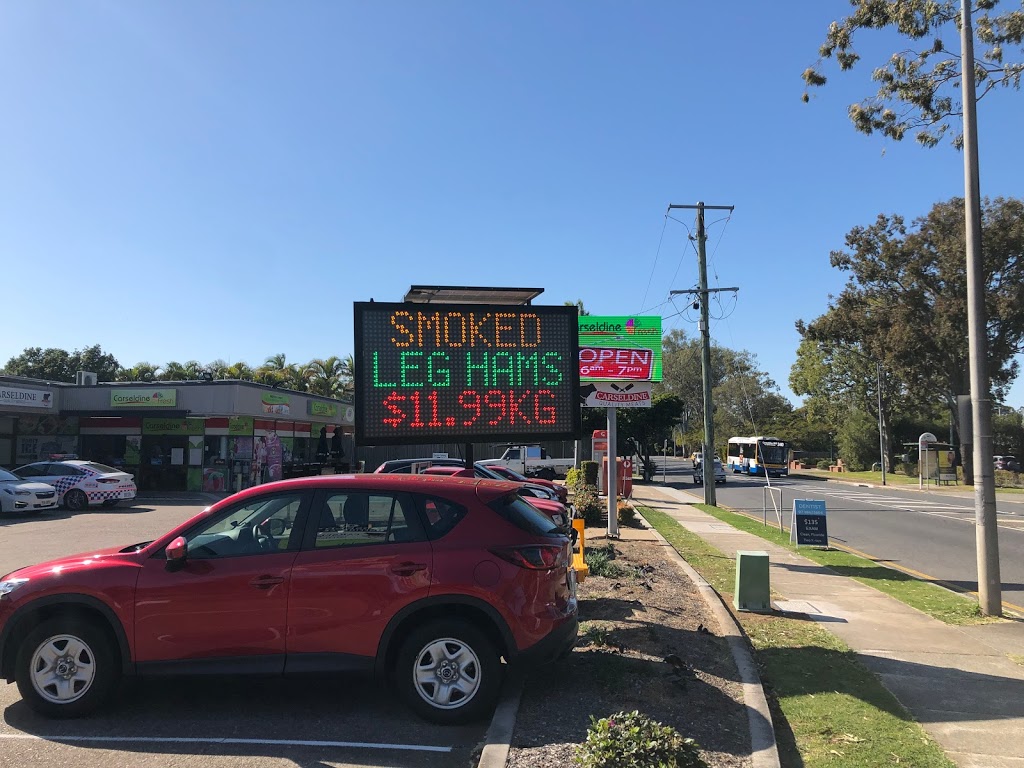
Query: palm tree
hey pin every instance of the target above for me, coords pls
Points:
(138, 372)
(275, 362)
(194, 369)
(174, 371)
(326, 375)
(348, 385)
(274, 370)
(296, 377)
(218, 369)
(238, 370)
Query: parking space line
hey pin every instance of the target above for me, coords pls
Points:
(260, 742)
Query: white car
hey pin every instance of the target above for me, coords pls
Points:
(81, 484)
(20, 497)
(717, 468)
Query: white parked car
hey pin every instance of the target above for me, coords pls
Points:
(22, 497)
(80, 483)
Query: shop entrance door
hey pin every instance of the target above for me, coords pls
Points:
(164, 463)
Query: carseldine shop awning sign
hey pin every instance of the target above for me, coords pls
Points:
(143, 398)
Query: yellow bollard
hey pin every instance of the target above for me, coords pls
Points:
(578, 563)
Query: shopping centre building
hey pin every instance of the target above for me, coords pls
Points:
(215, 436)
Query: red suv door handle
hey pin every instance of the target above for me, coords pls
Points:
(407, 569)
(266, 582)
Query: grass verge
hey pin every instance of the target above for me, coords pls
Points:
(932, 599)
(836, 713)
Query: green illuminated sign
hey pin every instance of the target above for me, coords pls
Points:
(620, 348)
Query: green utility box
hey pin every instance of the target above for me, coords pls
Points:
(753, 588)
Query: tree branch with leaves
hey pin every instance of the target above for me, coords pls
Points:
(919, 87)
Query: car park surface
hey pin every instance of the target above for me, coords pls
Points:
(335, 720)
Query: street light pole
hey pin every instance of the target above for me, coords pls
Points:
(881, 438)
(986, 535)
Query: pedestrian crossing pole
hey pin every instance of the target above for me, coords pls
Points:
(705, 336)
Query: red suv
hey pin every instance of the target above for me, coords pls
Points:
(430, 581)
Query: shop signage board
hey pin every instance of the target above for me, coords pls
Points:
(173, 426)
(810, 524)
(276, 403)
(15, 397)
(612, 394)
(452, 373)
(240, 425)
(620, 348)
(143, 398)
(320, 408)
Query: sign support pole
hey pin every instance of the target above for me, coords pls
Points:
(613, 491)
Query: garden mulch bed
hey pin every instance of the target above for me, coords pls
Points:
(647, 642)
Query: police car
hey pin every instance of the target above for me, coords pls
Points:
(81, 484)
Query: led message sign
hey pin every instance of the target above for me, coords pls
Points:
(430, 373)
(620, 348)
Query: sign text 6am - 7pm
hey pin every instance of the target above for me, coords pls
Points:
(432, 373)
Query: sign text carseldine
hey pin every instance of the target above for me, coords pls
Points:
(143, 398)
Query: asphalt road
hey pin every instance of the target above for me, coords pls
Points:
(929, 533)
(311, 722)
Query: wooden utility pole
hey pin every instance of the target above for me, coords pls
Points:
(705, 335)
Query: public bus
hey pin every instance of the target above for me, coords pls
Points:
(760, 455)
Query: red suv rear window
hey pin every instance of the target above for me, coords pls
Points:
(521, 514)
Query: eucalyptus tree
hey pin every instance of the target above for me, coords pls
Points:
(919, 87)
(905, 305)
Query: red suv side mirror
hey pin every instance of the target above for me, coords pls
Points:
(176, 552)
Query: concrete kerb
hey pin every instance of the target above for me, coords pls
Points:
(498, 739)
(764, 752)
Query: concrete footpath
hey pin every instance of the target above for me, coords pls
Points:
(958, 682)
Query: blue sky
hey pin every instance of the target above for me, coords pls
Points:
(223, 179)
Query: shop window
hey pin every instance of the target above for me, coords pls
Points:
(110, 449)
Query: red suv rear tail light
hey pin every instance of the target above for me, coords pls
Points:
(536, 558)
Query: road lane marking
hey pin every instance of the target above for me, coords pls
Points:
(213, 740)
(935, 509)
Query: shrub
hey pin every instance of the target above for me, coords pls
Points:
(824, 464)
(632, 740)
(627, 514)
(599, 561)
(588, 506)
(589, 471)
(906, 468)
(572, 478)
